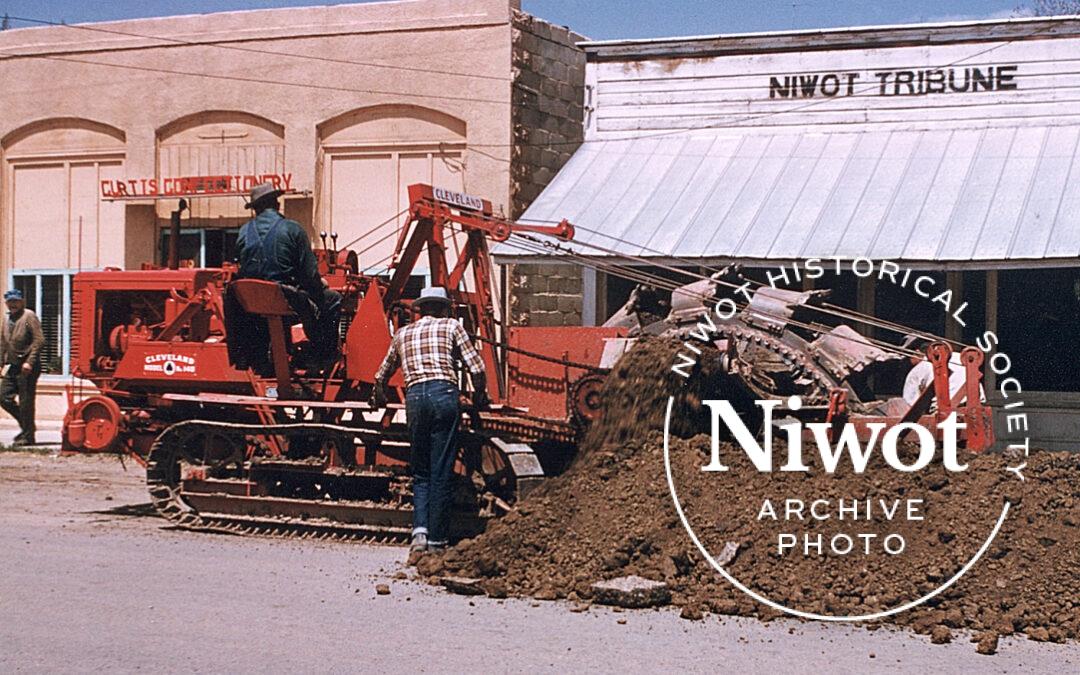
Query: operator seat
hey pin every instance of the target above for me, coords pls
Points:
(257, 325)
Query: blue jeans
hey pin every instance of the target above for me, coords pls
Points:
(432, 413)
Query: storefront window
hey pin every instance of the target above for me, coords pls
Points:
(48, 294)
(203, 247)
(1039, 326)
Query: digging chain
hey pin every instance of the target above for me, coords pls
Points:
(799, 364)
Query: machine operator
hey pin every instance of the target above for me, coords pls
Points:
(273, 248)
(428, 351)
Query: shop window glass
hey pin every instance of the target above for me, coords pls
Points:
(203, 247)
(48, 296)
(1039, 326)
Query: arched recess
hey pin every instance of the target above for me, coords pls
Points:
(53, 218)
(214, 143)
(62, 134)
(398, 122)
(367, 159)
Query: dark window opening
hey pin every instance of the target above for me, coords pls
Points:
(902, 305)
(974, 315)
(843, 289)
(619, 288)
(49, 307)
(207, 247)
(1039, 326)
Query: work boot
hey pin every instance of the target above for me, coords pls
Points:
(419, 542)
(436, 546)
(23, 442)
(19, 436)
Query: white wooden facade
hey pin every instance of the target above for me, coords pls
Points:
(943, 146)
(953, 148)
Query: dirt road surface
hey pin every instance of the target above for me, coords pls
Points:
(90, 581)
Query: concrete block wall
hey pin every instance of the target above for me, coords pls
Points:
(548, 126)
(548, 104)
(545, 294)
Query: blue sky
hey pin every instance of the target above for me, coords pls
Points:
(597, 19)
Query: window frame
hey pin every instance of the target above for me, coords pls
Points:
(66, 275)
(201, 231)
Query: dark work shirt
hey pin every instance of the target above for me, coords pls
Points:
(21, 339)
(274, 248)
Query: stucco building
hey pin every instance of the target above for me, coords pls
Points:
(347, 105)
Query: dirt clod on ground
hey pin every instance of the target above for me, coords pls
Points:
(611, 515)
(988, 643)
(941, 635)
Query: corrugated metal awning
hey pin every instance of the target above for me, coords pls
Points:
(944, 195)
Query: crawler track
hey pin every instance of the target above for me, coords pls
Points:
(235, 510)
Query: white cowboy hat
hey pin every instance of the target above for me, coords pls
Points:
(432, 294)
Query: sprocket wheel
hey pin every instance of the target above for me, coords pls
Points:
(584, 400)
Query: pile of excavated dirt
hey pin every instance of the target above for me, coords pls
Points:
(611, 515)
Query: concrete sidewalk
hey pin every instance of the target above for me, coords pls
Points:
(47, 435)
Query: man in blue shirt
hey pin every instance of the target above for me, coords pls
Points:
(273, 248)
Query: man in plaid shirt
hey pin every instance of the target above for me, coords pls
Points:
(427, 351)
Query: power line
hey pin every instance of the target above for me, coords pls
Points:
(475, 147)
(236, 78)
(825, 308)
(221, 45)
(527, 242)
(263, 81)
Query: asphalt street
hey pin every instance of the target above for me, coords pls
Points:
(91, 581)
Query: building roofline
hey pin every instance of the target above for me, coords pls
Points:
(382, 16)
(858, 37)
